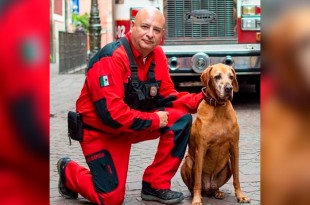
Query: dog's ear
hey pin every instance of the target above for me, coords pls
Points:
(235, 82)
(205, 76)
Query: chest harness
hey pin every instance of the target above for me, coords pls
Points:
(140, 95)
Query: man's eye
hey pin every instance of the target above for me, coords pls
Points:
(157, 30)
(144, 27)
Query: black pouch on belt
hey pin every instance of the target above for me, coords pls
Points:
(75, 126)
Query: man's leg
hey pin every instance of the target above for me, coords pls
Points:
(171, 148)
(108, 160)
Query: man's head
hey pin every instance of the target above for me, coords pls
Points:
(147, 30)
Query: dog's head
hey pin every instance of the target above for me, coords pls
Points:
(220, 79)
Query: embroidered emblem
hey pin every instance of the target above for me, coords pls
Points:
(153, 91)
(104, 81)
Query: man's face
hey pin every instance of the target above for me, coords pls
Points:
(147, 31)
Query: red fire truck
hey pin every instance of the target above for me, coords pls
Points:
(203, 32)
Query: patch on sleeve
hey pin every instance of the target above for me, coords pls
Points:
(105, 80)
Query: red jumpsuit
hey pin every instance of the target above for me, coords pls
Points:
(107, 147)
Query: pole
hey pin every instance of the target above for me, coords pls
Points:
(94, 29)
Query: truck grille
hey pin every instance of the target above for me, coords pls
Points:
(180, 24)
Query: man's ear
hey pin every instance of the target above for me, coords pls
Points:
(163, 35)
(235, 82)
(132, 24)
(205, 76)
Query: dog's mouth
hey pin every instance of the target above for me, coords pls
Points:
(226, 96)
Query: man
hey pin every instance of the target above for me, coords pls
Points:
(114, 121)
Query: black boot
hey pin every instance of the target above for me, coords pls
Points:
(165, 196)
(63, 190)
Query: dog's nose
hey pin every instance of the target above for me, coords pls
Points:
(228, 88)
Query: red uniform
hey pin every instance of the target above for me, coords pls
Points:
(116, 126)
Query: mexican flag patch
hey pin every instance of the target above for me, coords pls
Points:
(104, 81)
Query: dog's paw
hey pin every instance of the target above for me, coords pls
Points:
(197, 201)
(219, 194)
(243, 199)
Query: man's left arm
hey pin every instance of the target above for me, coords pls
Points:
(182, 100)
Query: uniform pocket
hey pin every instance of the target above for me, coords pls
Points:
(103, 171)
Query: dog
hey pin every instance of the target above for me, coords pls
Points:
(213, 152)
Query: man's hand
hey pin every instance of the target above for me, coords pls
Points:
(163, 118)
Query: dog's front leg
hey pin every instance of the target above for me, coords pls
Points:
(234, 153)
(199, 154)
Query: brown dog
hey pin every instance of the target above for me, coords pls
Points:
(213, 152)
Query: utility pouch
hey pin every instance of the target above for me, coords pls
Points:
(75, 126)
(132, 100)
(141, 95)
(134, 94)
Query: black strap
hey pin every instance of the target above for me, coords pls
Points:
(133, 65)
(150, 74)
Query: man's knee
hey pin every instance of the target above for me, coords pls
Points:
(105, 179)
(103, 171)
(184, 123)
(188, 119)
(181, 130)
(115, 197)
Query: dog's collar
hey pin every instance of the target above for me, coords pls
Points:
(211, 100)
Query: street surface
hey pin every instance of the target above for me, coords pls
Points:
(64, 90)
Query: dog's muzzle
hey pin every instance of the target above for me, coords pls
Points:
(228, 91)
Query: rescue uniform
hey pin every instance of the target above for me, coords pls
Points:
(112, 126)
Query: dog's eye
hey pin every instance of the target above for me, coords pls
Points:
(217, 77)
(231, 77)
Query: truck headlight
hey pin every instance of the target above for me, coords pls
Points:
(250, 23)
(200, 61)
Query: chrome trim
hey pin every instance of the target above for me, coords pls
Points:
(228, 60)
(171, 62)
(199, 62)
(222, 50)
(197, 74)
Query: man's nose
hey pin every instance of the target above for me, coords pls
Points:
(150, 32)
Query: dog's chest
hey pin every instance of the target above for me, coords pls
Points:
(217, 127)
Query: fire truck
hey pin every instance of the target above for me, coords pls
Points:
(200, 33)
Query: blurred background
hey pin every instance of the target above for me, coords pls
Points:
(29, 43)
(24, 102)
(285, 103)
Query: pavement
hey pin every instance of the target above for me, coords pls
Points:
(65, 89)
